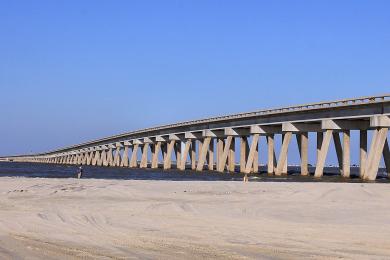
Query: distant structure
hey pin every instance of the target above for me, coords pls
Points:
(210, 143)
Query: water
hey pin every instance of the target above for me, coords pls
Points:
(38, 170)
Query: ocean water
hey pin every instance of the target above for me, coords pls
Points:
(40, 170)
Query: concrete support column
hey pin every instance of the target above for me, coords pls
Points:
(220, 142)
(168, 157)
(117, 157)
(155, 152)
(105, 153)
(125, 156)
(144, 157)
(82, 158)
(200, 147)
(89, 158)
(232, 156)
(178, 153)
(186, 151)
(75, 158)
(164, 151)
(193, 155)
(346, 154)
(96, 158)
(285, 165)
(363, 152)
(244, 147)
(225, 153)
(134, 156)
(110, 157)
(271, 154)
(303, 145)
(85, 157)
(211, 155)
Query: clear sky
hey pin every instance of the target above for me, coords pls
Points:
(72, 71)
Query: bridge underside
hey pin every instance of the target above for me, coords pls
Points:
(210, 144)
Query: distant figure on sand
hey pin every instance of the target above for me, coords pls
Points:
(246, 178)
(80, 173)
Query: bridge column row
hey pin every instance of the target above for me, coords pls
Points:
(214, 149)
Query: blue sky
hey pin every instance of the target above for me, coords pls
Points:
(72, 71)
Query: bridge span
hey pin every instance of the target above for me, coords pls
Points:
(209, 144)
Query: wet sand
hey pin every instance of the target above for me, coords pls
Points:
(145, 219)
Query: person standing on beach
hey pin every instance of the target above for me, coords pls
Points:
(80, 173)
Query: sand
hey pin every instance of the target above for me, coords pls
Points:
(129, 219)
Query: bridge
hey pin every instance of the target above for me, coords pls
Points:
(209, 144)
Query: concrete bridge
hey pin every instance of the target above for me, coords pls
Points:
(210, 143)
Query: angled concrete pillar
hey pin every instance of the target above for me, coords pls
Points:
(178, 153)
(339, 151)
(322, 153)
(164, 151)
(386, 157)
(320, 137)
(125, 155)
(380, 124)
(251, 165)
(375, 152)
(202, 153)
(282, 161)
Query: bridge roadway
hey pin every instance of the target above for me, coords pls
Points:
(210, 143)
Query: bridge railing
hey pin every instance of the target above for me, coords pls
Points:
(329, 104)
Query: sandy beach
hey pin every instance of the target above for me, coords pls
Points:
(129, 219)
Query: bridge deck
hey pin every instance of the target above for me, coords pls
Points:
(327, 119)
